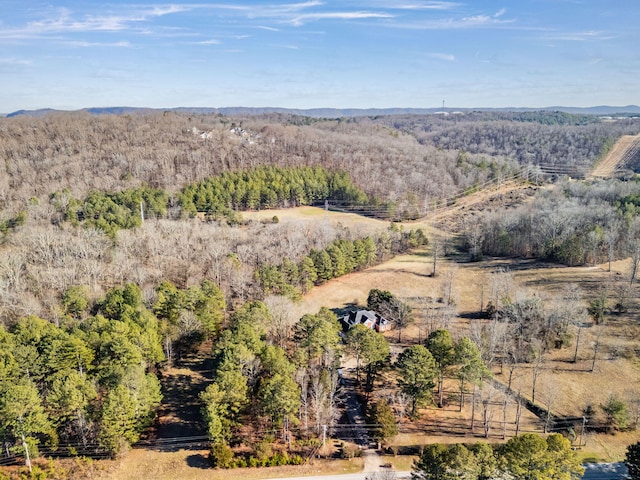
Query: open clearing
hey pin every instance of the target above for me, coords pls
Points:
(193, 465)
(306, 215)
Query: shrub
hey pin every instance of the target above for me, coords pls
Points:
(616, 412)
(263, 450)
(349, 450)
(280, 458)
(221, 455)
(276, 460)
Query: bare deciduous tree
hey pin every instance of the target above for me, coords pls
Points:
(283, 319)
(536, 366)
(550, 394)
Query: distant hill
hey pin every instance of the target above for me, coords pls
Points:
(33, 113)
(335, 112)
(599, 110)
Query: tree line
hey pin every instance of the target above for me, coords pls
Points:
(219, 198)
(266, 390)
(340, 257)
(173, 150)
(524, 457)
(268, 187)
(112, 211)
(39, 263)
(170, 151)
(276, 379)
(537, 138)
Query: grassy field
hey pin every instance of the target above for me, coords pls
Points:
(193, 465)
(306, 215)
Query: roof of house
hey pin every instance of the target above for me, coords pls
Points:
(367, 318)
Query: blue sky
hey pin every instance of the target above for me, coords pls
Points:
(343, 54)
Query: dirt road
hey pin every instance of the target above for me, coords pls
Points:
(350, 476)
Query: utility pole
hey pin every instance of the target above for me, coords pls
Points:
(575, 353)
(436, 244)
(584, 423)
(285, 428)
(326, 212)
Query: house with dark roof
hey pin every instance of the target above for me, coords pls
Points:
(368, 318)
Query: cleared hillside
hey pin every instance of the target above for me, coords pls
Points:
(623, 155)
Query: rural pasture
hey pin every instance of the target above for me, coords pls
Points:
(570, 386)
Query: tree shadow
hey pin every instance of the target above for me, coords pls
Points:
(198, 461)
(474, 315)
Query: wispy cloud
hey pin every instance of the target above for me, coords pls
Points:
(137, 19)
(133, 18)
(480, 20)
(63, 21)
(580, 36)
(78, 43)
(270, 29)
(297, 14)
(15, 62)
(209, 42)
(13, 65)
(311, 17)
(421, 5)
(442, 56)
(281, 10)
(458, 23)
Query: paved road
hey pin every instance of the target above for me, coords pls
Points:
(605, 471)
(595, 471)
(350, 476)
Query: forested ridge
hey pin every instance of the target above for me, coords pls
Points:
(112, 153)
(547, 139)
(107, 276)
(98, 169)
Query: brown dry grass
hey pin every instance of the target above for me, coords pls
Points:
(141, 464)
(305, 215)
(617, 368)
